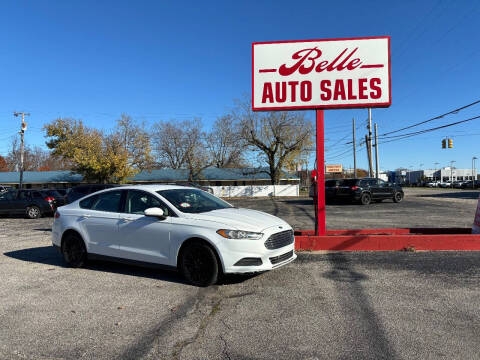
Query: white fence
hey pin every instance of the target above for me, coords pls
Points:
(256, 190)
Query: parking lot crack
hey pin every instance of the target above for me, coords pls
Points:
(181, 345)
(225, 348)
(152, 337)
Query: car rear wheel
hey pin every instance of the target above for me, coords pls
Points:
(366, 199)
(74, 251)
(199, 264)
(33, 212)
(397, 197)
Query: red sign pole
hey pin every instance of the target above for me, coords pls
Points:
(320, 220)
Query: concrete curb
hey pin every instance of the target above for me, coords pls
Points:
(391, 239)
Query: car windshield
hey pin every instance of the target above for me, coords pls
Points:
(193, 201)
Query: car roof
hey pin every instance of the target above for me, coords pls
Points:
(152, 187)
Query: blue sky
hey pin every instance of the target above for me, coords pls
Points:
(162, 60)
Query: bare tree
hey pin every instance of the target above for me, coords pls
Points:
(277, 136)
(181, 145)
(225, 143)
(35, 158)
(135, 140)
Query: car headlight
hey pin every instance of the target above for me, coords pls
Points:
(239, 234)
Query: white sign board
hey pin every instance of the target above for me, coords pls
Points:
(337, 168)
(316, 74)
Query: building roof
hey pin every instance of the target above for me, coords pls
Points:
(162, 175)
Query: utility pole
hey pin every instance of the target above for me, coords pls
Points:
(369, 155)
(22, 133)
(376, 152)
(354, 152)
(474, 175)
(434, 176)
(369, 142)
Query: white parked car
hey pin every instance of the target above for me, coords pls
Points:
(172, 226)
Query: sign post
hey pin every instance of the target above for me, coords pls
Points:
(320, 185)
(321, 74)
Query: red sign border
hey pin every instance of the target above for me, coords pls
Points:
(342, 106)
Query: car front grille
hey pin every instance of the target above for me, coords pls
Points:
(277, 259)
(278, 240)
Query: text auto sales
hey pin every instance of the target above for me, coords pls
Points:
(340, 89)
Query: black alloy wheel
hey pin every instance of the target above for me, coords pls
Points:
(199, 264)
(33, 212)
(397, 197)
(74, 251)
(366, 199)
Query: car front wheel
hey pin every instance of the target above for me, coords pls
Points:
(199, 264)
(397, 197)
(74, 251)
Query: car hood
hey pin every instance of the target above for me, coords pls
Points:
(240, 219)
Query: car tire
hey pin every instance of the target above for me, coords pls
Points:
(397, 197)
(74, 250)
(366, 199)
(33, 212)
(199, 264)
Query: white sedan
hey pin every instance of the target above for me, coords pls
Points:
(174, 227)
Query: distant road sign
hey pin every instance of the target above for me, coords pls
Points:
(321, 74)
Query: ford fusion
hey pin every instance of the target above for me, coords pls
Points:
(173, 227)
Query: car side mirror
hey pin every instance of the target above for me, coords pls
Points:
(155, 212)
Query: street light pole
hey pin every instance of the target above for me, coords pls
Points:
(434, 174)
(451, 172)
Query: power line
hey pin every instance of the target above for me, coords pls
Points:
(408, 135)
(435, 118)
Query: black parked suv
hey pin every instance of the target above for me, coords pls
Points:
(83, 190)
(367, 190)
(32, 203)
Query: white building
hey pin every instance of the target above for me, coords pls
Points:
(443, 175)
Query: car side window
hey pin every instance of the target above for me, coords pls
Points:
(108, 201)
(23, 195)
(363, 183)
(372, 182)
(10, 195)
(88, 202)
(138, 201)
(381, 183)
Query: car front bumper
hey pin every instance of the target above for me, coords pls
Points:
(246, 256)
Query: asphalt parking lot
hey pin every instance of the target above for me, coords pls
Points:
(391, 305)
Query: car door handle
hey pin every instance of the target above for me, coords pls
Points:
(126, 219)
(86, 216)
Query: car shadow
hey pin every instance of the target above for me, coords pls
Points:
(453, 195)
(43, 229)
(22, 216)
(48, 255)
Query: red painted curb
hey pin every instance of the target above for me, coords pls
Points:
(389, 239)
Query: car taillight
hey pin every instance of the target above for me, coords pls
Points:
(57, 215)
(354, 188)
(49, 199)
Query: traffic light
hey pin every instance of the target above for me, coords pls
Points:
(450, 143)
(444, 143)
